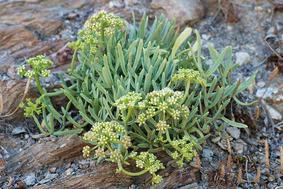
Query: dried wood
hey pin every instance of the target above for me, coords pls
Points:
(56, 151)
(103, 177)
(44, 153)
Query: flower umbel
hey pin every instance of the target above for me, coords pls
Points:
(109, 140)
(184, 150)
(188, 75)
(131, 99)
(149, 162)
(31, 108)
(86, 152)
(96, 29)
(39, 67)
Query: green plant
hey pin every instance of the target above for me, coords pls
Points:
(129, 59)
(39, 67)
(143, 89)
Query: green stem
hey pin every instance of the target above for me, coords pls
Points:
(38, 84)
(187, 89)
(168, 136)
(120, 167)
(73, 60)
(129, 114)
(39, 126)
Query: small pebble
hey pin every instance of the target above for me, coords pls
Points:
(239, 146)
(234, 132)
(49, 177)
(216, 139)
(52, 170)
(26, 136)
(274, 113)
(271, 178)
(242, 58)
(18, 130)
(205, 37)
(116, 4)
(30, 180)
(69, 171)
(72, 16)
(207, 154)
(190, 186)
(261, 84)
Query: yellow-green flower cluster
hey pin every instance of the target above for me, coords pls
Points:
(188, 76)
(109, 139)
(39, 67)
(31, 108)
(104, 24)
(149, 162)
(184, 150)
(115, 156)
(99, 152)
(86, 151)
(96, 28)
(106, 133)
(166, 102)
(162, 126)
(131, 99)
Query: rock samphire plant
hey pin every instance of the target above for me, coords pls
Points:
(144, 89)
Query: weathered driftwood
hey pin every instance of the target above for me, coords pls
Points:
(56, 151)
(44, 153)
(103, 176)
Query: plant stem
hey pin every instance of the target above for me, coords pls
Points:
(168, 136)
(39, 126)
(73, 60)
(38, 84)
(120, 167)
(187, 89)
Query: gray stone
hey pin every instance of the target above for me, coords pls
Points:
(116, 3)
(207, 154)
(190, 186)
(69, 171)
(216, 139)
(49, 177)
(18, 130)
(239, 146)
(271, 178)
(260, 84)
(273, 113)
(30, 179)
(52, 170)
(234, 132)
(242, 58)
(183, 11)
(131, 2)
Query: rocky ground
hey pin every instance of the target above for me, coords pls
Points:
(233, 158)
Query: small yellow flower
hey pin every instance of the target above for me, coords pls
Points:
(86, 152)
(162, 126)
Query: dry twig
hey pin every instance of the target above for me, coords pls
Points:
(267, 160)
(258, 174)
(240, 176)
(222, 172)
(281, 160)
(9, 114)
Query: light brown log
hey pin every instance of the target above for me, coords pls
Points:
(58, 151)
(46, 152)
(103, 177)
